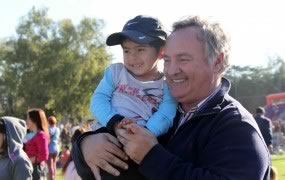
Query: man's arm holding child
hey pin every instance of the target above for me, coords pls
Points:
(99, 149)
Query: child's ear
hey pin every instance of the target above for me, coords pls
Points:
(161, 53)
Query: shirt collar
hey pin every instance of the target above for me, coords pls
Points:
(200, 104)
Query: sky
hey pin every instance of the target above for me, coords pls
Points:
(256, 27)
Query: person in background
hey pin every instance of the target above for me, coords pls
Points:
(37, 147)
(64, 155)
(90, 124)
(74, 127)
(68, 169)
(265, 127)
(53, 146)
(14, 162)
(65, 137)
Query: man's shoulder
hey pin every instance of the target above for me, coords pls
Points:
(266, 119)
(235, 111)
(262, 119)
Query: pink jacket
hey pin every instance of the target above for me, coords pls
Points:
(38, 147)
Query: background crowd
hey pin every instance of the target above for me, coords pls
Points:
(37, 148)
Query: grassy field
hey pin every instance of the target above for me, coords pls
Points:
(59, 175)
(277, 161)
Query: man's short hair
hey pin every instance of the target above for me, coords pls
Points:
(260, 110)
(212, 36)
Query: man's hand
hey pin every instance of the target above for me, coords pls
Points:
(102, 151)
(138, 143)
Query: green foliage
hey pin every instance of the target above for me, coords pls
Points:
(250, 85)
(52, 65)
(57, 65)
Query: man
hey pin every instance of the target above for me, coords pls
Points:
(265, 126)
(213, 136)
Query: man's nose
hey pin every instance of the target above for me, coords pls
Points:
(172, 69)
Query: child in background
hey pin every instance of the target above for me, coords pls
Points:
(68, 169)
(52, 147)
(14, 162)
(135, 91)
(64, 155)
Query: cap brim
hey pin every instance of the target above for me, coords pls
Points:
(137, 37)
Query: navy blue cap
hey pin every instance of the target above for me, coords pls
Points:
(141, 30)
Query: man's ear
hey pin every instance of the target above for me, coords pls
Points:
(219, 63)
(161, 53)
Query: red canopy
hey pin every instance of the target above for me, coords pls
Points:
(275, 97)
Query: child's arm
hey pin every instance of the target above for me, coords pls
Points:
(160, 122)
(100, 105)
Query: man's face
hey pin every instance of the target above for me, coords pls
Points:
(189, 75)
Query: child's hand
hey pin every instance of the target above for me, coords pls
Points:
(122, 125)
(125, 122)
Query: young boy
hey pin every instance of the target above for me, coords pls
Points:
(135, 90)
(14, 162)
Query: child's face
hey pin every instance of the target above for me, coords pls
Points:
(141, 60)
(1, 142)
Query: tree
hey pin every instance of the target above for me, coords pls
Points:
(52, 65)
(251, 85)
